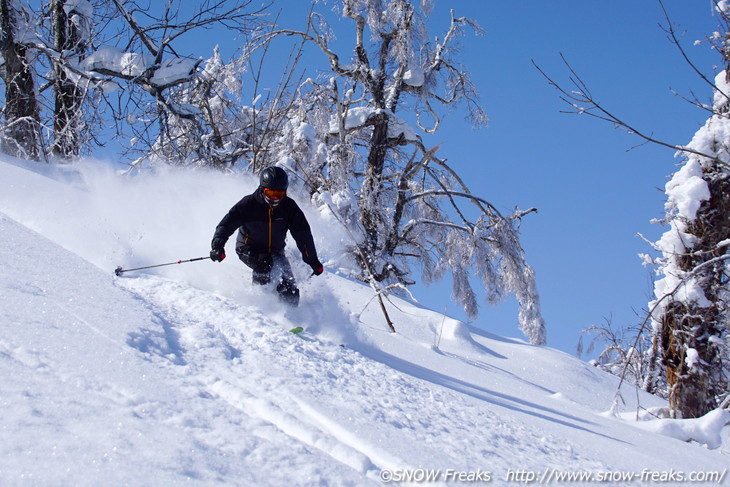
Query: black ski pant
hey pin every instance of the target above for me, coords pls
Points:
(266, 264)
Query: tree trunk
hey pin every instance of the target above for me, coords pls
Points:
(687, 385)
(690, 333)
(21, 137)
(370, 204)
(67, 120)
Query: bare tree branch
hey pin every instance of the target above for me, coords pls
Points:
(583, 102)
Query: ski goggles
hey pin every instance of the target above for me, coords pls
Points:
(274, 194)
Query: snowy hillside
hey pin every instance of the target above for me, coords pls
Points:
(188, 375)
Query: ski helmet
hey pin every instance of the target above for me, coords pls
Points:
(274, 178)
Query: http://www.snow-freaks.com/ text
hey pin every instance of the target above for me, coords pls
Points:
(551, 476)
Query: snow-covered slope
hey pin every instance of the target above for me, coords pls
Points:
(189, 375)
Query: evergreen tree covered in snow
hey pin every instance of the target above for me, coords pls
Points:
(352, 138)
(691, 312)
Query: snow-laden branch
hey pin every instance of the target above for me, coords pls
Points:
(423, 221)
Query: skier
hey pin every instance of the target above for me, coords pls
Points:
(262, 219)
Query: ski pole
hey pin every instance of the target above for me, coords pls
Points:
(119, 271)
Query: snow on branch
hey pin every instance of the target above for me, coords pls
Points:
(141, 68)
(356, 118)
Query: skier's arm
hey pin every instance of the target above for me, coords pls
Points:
(225, 228)
(302, 233)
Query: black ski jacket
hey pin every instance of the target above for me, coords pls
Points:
(262, 228)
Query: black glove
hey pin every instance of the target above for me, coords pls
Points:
(317, 267)
(217, 255)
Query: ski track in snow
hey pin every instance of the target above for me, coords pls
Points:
(224, 339)
(106, 395)
(214, 324)
(304, 390)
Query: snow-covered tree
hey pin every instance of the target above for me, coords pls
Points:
(50, 39)
(691, 312)
(204, 122)
(353, 139)
(211, 125)
(117, 55)
(72, 26)
(21, 125)
(172, 109)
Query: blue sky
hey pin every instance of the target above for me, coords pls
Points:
(593, 194)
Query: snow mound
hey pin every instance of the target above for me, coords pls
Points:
(706, 430)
